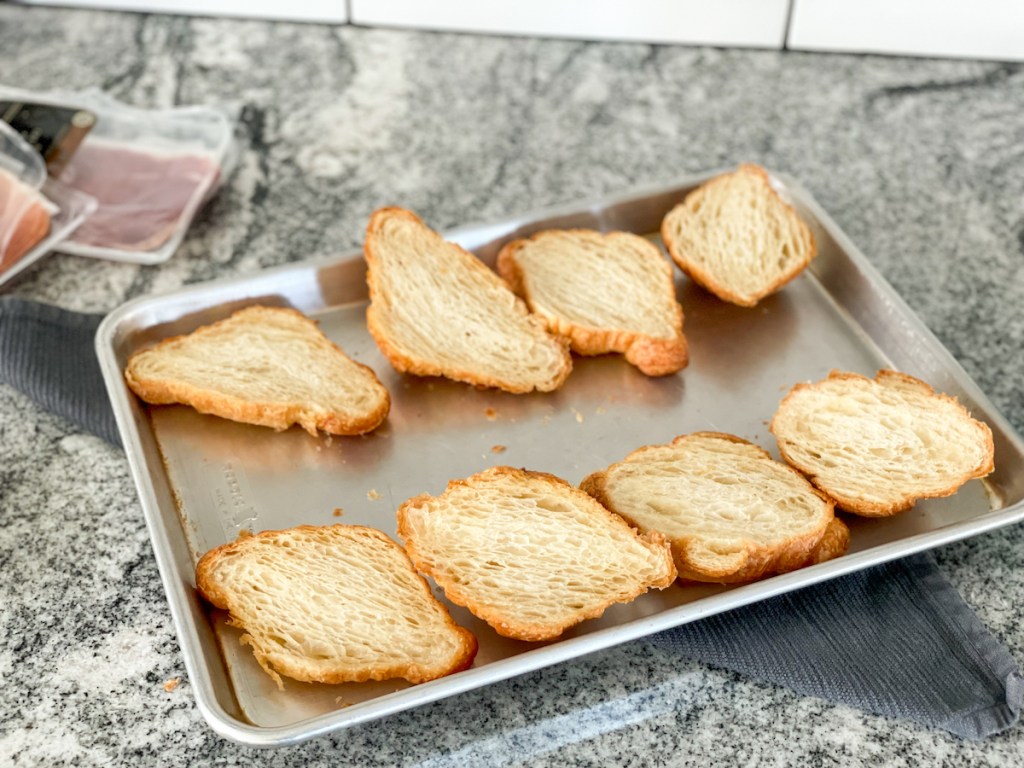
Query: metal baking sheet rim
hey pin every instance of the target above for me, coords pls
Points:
(228, 726)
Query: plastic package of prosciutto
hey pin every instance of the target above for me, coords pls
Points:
(150, 172)
(36, 213)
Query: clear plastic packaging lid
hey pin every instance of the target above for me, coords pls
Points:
(150, 171)
(24, 213)
(36, 213)
(19, 159)
(69, 209)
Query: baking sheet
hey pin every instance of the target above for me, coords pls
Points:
(202, 479)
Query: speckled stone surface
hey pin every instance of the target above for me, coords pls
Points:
(921, 162)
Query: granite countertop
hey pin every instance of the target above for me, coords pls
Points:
(919, 161)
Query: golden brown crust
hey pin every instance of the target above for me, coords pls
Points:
(834, 543)
(753, 563)
(423, 367)
(538, 633)
(864, 507)
(210, 591)
(658, 357)
(655, 542)
(278, 416)
(508, 267)
(651, 355)
(708, 281)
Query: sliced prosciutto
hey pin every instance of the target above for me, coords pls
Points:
(24, 219)
(142, 195)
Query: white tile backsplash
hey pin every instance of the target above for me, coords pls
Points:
(982, 29)
(331, 11)
(758, 23)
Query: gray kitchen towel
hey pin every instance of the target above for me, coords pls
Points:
(47, 353)
(896, 639)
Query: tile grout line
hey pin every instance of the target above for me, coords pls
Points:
(786, 27)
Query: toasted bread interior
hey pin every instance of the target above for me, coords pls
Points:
(528, 553)
(263, 365)
(604, 292)
(731, 513)
(333, 604)
(878, 445)
(737, 238)
(436, 310)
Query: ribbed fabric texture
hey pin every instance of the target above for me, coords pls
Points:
(895, 640)
(47, 353)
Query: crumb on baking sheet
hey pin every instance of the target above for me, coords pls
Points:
(579, 416)
(490, 413)
(372, 494)
(171, 684)
(341, 702)
(498, 449)
(338, 511)
(329, 441)
(601, 409)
